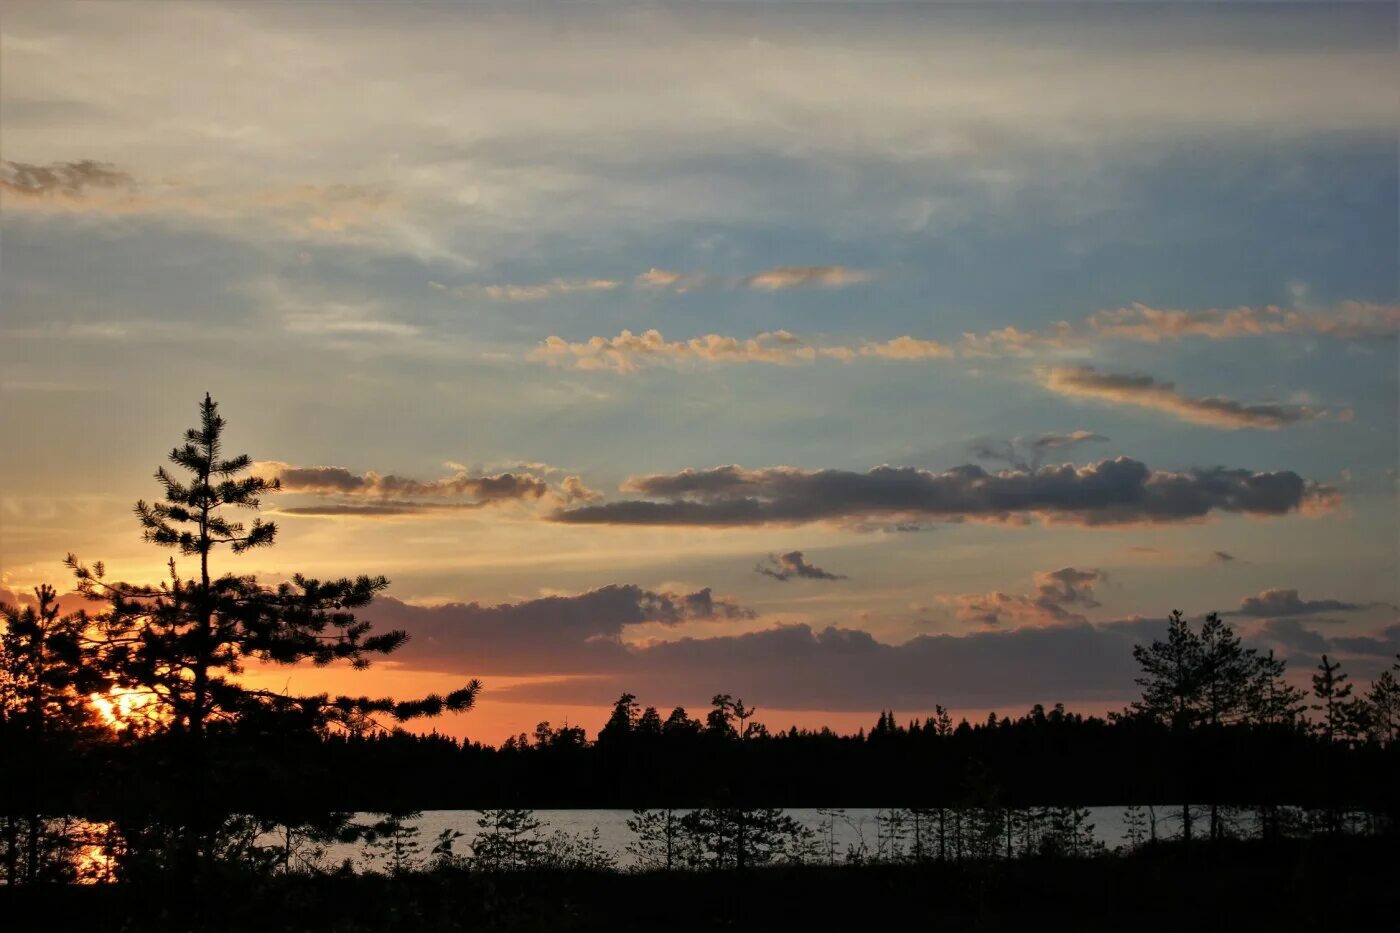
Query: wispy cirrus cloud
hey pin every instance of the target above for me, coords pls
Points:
(793, 564)
(343, 212)
(538, 291)
(770, 280)
(70, 181)
(778, 278)
(1146, 392)
(1058, 593)
(1111, 492)
(1027, 453)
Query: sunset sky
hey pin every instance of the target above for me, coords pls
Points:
(836, 356)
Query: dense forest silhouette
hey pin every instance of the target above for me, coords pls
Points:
(208, 779)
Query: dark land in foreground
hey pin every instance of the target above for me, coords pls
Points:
(1318, 884)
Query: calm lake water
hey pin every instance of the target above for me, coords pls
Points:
(851, 828)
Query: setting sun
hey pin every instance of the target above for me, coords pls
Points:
(122, 708)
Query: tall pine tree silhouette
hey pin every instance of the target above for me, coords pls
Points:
(185, 641)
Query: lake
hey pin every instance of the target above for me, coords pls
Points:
(850, 828)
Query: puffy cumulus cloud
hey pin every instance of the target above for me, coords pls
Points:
(1058, 593)
(1110, 492)
(1146, 392)
(628, 352)
(1350, 320)
(1027, 453)
(1012, 341)
(906, 348)
(578, 633)
(372, 494)
(799, 276)
(532, 292)
(1281, 602)
(785, 567)
(67, 180)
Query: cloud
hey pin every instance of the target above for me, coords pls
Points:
(338, 211)
(1306, 645)
(1280, 602)
(1012, 341)
(1290, 635)
(1058, 593)
(677, 281)
(906, 348)
(1349, 319)
(535, 292)
(786, 566)
(1110, 492)
(619, 122)
(1384, 644)
(578, 642)
(574, 490)
(1027, 453)
(70, 180)
(372, 494)
(799, 667)
(578, 634)
(1146, 392)
(628, 352)
(800, 276)
(332, 480)
(770, 280)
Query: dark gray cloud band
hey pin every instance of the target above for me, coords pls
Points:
(1111, 492)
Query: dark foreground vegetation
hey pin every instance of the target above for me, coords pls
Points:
(1342, 884)
(131, 753)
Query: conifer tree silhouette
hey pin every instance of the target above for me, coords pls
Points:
(185, 642)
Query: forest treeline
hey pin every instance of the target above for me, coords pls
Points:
(131, 717)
